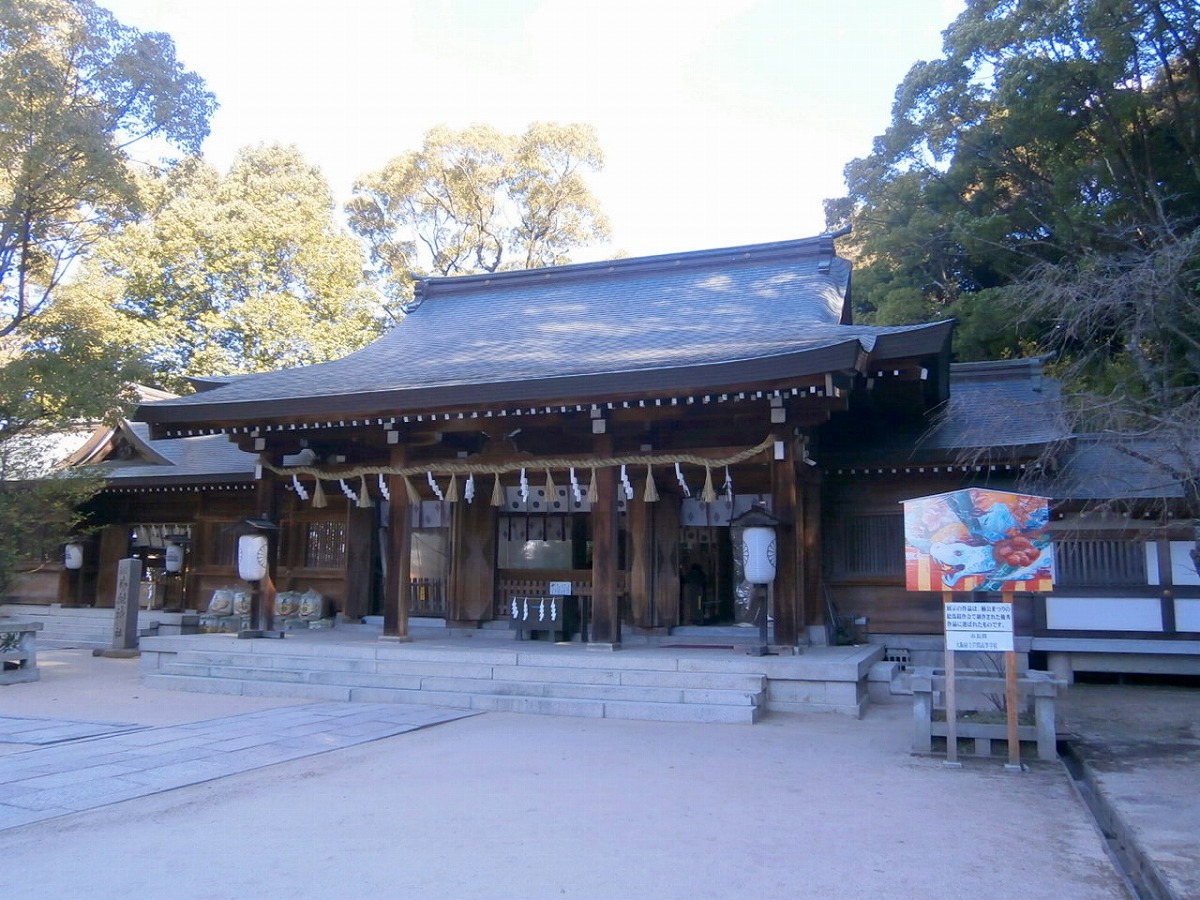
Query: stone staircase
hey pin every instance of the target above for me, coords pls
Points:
(66, 627)
(531, 678)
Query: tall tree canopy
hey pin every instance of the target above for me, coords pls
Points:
(77, 89)
(1041, 183)
(239, 273)
(478, 200)
(1048, 127)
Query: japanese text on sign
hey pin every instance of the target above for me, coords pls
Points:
(979, 626)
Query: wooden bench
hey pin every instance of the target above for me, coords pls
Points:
(18, 651)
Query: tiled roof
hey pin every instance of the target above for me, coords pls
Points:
(1008, 403)
(1109, 467)
(206, 458)
(627, 324)
(996, 411)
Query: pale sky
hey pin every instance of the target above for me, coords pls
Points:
(723, 122)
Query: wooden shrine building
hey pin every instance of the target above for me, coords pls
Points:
(593, 425)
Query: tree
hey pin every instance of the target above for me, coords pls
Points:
(1045, 129)
(478, 200)
(1127, 322)
(65, 371)
(77, 90)
(245, 272)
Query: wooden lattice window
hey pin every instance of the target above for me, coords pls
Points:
(868, 545)
(1100, 563)
(325, 545)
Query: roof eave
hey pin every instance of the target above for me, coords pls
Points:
(842, 356)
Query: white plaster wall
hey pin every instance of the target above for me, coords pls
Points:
(1104, 613)
(1182, 570)
(1187, 615)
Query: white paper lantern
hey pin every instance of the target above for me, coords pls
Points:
(174, 558)
(758, 554)
(73, 556)
(252, 557)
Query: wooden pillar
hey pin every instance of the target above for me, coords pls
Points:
(789, 605)
(606, 610)
(360, 561)
(114, 546)
(399, 555)
(642, 608)
(812, 583)
(262, 600)
(472, 563)
(666, 559)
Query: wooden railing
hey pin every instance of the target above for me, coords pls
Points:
(427, 597)
(1039, 690)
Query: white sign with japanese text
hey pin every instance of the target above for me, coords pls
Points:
(984, 627)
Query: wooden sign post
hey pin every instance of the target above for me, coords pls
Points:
(1010, 696)
(951, 698)
(979, 540)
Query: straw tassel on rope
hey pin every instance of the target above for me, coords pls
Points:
(319, 500)
(709, 494)
(497, 492)
(410, 489)
(364, 496)
(452, 489)
(651, 495)
(593, 493)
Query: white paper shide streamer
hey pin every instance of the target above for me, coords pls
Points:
(437, 491)
(682, 481)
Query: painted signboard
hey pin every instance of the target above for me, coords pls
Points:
(978, 540)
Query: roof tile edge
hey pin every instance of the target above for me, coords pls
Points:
(820, 247)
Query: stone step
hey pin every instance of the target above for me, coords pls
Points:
(694, 688)
(561, 706)
(471, 666)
